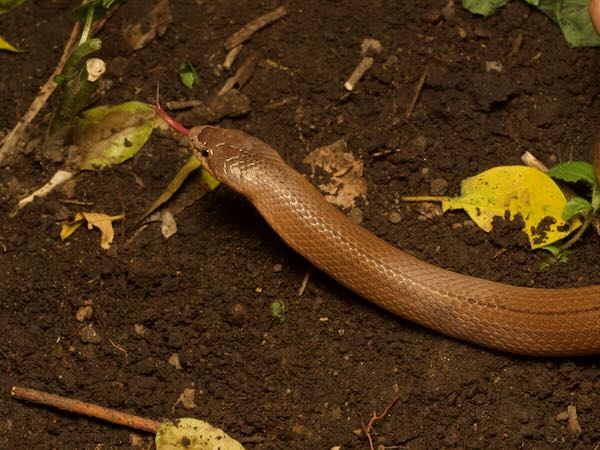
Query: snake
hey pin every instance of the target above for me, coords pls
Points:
(529, 321)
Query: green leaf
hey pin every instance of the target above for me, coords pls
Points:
(100, 9)
(5, 5)
(574, 171)
(278, 310)
(574, 20)
(188, 75)
(483, 7)
(575, 206)
(109, 135)
(571, 16)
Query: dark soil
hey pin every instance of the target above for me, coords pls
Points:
(305, 382)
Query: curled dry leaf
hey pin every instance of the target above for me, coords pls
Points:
(347, 183)
(186, 399)
(99, 220)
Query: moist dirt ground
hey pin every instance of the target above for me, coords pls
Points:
(493, 88)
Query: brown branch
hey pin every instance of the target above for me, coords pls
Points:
(246, 32)
(86, 409)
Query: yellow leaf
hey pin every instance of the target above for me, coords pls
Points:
(187, 433)
(5, 45)
(69, 228)
(191, 164)
(99, 220)
(518, 190)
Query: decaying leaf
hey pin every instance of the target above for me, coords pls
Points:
(99, 220)
(516, 190)
(347, 183)
(186, 399)
(192, 434)
(149, 26)
(109, 135)
(207, 181)
(5, 45)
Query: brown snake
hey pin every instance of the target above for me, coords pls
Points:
(529, 321)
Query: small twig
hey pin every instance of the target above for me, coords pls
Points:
(177, 105)
(69, 201)
(86, 409)
(415, 98)
(17, 133)
(242, 75)
(305, 281)
(362, 67)
(231, 56)
(246, 32)
(4, 354)
(376, 418)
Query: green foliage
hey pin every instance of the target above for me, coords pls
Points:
(574, 171)
(571, 16)
(5, 5)
(576, 205)
(278, 310)
(188, 75)
(98, 8)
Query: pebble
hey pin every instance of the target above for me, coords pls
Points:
(438, 186)
(89, 335)
(277, 268)
(394, 217)
(238, 314)
(84, 313)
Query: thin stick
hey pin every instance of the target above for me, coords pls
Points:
(418, 90)
(86, 409)
(246, 32)
(242, 75)
(17, 133)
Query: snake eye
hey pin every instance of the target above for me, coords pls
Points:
(205, 152)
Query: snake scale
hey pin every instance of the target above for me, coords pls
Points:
(528, 321)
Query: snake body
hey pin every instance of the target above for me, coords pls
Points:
(528, 321)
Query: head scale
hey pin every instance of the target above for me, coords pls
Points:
(232, 156)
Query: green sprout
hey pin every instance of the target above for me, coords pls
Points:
(588, 208)
(75, 82)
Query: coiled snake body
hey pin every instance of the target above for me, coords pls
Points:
(529, 321)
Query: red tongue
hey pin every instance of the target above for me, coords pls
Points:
(172, 123)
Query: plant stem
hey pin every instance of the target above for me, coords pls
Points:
(586, 224)
(89, 18)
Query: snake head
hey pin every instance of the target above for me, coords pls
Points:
(232, 156)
